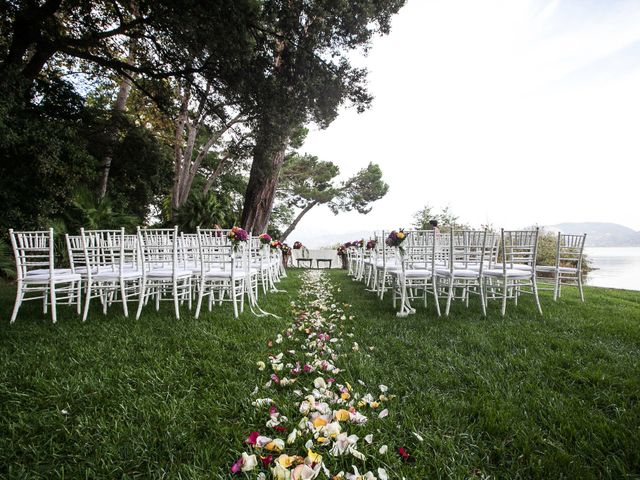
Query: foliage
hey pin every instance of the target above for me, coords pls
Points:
(358, 192)
(446, 219)
(7, 262)
(43, 154)
(86, 211)
(306, 181)
(206, 210)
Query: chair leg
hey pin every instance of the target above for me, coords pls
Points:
(483, 301)
(435, 295)
(505, 289)
(54, 313)
(449, 297)
(556, 286)
(535, 294)
(16, 305)
(200, 297)
(234, 299)
(87, 302)
(123, 293)
(580, 286)
(142, 296)
(176, 300)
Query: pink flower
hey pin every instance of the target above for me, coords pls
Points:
(308, 368)
(251, 440)
(273, 410)
(236, 467)
(275, 378)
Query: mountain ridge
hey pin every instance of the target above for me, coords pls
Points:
(600, 234)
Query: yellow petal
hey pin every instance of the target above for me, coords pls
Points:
(342, 415)
(319, 422)
(345, 396)
(314, 457)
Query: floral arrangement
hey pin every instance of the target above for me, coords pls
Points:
(297, 245)
(342, 249)
(348, 245)
(371, 244)
(274, 244)
(396, 238)
(358, 244)
(237, 236)
(265, 239)
(286, 249)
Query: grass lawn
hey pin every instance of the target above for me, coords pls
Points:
(556, 396)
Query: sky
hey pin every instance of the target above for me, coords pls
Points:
(510, 112)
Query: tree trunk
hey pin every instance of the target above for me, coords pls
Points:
(268, 157)
(294, 224)
(118, 109)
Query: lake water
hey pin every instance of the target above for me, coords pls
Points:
(617, 267)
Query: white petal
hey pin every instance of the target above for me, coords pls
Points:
(418, 436)
(383, 413)
(383, 388)
(383, 449)
(382, 474)
(369, 438)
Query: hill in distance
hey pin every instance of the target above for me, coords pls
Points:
(601, 234)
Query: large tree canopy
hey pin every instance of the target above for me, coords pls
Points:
(302, 73)
(306, 181)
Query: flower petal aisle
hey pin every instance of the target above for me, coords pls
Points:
(312, 421)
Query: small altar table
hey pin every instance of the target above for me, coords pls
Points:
(309, 262)
(324, 261)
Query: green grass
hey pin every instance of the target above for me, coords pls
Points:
(556, 396)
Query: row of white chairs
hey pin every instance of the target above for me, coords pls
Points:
(151, 266)
(461, 263)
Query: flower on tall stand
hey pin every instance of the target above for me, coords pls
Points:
(396, 238)
(286, 251)
(275, 244)
(265, 239)
(342, 253)
(237, 236)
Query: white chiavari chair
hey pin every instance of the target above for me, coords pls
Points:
(413, 279)
(37, 277)
(162, 273)
(111, 268)
(517, 269)
(567, 269)
(463, 272)
(222, 271)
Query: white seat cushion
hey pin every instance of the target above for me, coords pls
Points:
(510, 272)
(168, 272)
(45, 271)
(218, 273)
(102, 276)
(457, 272)
(57, 278)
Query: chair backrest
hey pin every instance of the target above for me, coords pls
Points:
(108, 250)
(188, 250)
(569, 250)
(75, 252)
(158, 248)
(466, 249)
(519, 247)
(419, 249)
(216, 251)
(32, 250)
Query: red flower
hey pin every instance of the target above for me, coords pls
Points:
(405, 455)
(253, 436)
(266, 461)
(279, 428)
